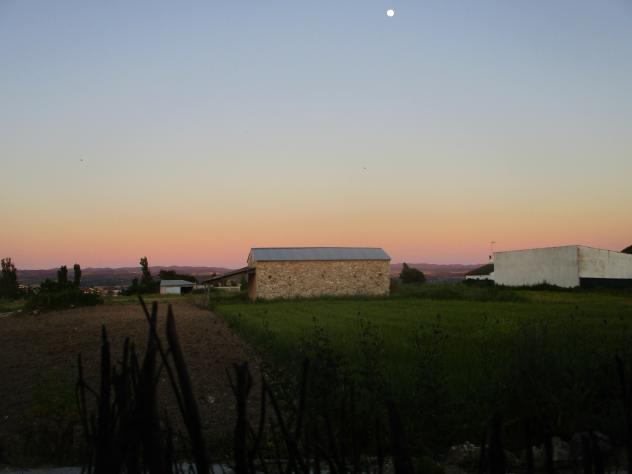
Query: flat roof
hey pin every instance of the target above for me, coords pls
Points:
(486, 269)
(317, 253)
(558, 247)
(176, 283)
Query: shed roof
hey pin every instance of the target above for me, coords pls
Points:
(164, 283)
(318, 253)
(223, 276)
(487, 269)
(575, 246)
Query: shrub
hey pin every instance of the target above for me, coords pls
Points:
(172, 275)
(48, 423)
(458, 292)
(137, 288)
(146, 284)
(9, 287)
(53, 298)
(411, 275)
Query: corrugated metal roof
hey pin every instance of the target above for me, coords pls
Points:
(318, 253)
(176, 283)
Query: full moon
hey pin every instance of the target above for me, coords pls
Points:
(390, 12)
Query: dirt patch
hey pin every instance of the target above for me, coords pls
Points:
(32, 346)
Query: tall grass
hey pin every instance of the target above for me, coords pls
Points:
(126, 432)
(458, 292)
(450, 363)
(330, 415)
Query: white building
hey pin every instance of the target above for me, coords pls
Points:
(175, 287)
(568, 267)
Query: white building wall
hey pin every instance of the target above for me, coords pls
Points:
(597, 263)
(555, 266)
(170, 290)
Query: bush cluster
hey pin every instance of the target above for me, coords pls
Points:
(457, 292)
(411, 275)
(63, 293)
(63, 298)
(146, 284)
(9, 287)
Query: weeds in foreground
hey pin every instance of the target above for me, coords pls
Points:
(48, 427)
(323, 428)
(338, 419)
(127, 433)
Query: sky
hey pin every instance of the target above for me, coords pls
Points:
(207, 128)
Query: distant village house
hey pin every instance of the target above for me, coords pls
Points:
(484, 273)
(176, 287)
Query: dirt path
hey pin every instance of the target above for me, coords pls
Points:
(35, 347)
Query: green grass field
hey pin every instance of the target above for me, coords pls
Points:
(151, 297)
(10, 305)
(467, 343)
(21, 304)
(279, 326)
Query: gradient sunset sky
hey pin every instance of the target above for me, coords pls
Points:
(207, 128)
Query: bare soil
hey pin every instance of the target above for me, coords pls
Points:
(32, 346)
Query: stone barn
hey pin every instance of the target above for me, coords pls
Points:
(318, 271)
(303, 272)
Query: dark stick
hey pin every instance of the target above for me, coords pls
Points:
(241, 389)
(399, 449)
(548, 454)
(103, 448)
(626, 395)
(497, 462)
(528, 440)
(192, 414)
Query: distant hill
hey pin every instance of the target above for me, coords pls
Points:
(437, 272)
(115, 276)
(124, 276)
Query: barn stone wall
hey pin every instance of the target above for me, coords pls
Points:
(295, 279)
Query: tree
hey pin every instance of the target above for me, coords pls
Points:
(627, 250)
(146, 284)
(9, 287)
(172, 275)
(62, 276)
(146, 279)
(63, 293)
(77, 277)
(133, 289)
(411, 275)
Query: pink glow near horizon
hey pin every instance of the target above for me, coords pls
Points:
(190, 135)
(230, 248)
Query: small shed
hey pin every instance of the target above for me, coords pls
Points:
(176, 287)
(486, 272)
